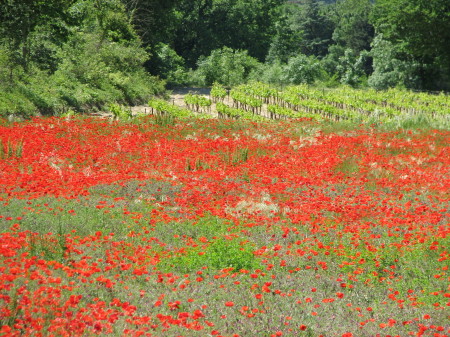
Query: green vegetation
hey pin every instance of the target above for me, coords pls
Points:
(352, 42)
(78, 55)
(11, 149)
(83, 55)
(220, 254)
(389, 109)
(162, 107)
(197, 102)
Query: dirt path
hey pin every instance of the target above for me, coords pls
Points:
(178, 94)
(177, 98)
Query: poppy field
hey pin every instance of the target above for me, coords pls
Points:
(215, 227)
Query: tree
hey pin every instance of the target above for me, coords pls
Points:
(250, 24)
(154, 20)
(205, 25)
(170, 66)
(80, 56)
(390, 68)
(316, 29)
(287, 41)
(353, 29)
(421, 29)
(302, 69)
(103, 55)
(19, 19)
(226, 66)
(350, 68)
(193, 36)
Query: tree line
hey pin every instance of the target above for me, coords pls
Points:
(81, 54)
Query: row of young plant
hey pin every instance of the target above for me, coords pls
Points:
(279, 112)
(281, 104)
(391, 102)
(225, 111)
(161, 107)
(246, 100)
(197, 103)
(345, 102)
(257, 101)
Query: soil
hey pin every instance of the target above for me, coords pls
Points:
(177, 98)
(177, 95)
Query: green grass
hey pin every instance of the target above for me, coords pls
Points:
(221, 253)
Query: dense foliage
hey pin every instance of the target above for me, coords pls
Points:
(79, 54)
(69, 55)
(351, 39)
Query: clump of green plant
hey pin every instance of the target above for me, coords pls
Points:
(240, 155)
(10, 150)
(68, 115)
(205, 229)
(348, 166)
(220, 254)
(119, 112)
(165, 120)
(46, 246)
(196, 165)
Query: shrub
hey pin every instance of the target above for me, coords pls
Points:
(169, 65)
(388, 69)
(301, 69)
(220, 254)
(226, 66)
(15, 103)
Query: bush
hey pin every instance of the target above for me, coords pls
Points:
(302, 69)
(269, 73)
(99, 62)
(167, 64)
(15, 103)
(220, 254)
(42, 91)
(226, 66)
(388, 69)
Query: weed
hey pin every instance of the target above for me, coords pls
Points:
(175, 232)
(45, 246)
(119, 112)
(11, 150)
(132, 190)
(198, 164)
(348, 166)
(240, 155)
(165, 120)
(219, 254)
(236, 156)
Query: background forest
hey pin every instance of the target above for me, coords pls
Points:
(62, 55)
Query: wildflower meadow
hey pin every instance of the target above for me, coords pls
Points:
(219, 227)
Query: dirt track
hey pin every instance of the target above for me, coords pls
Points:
(177, 95)
(177, 98)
